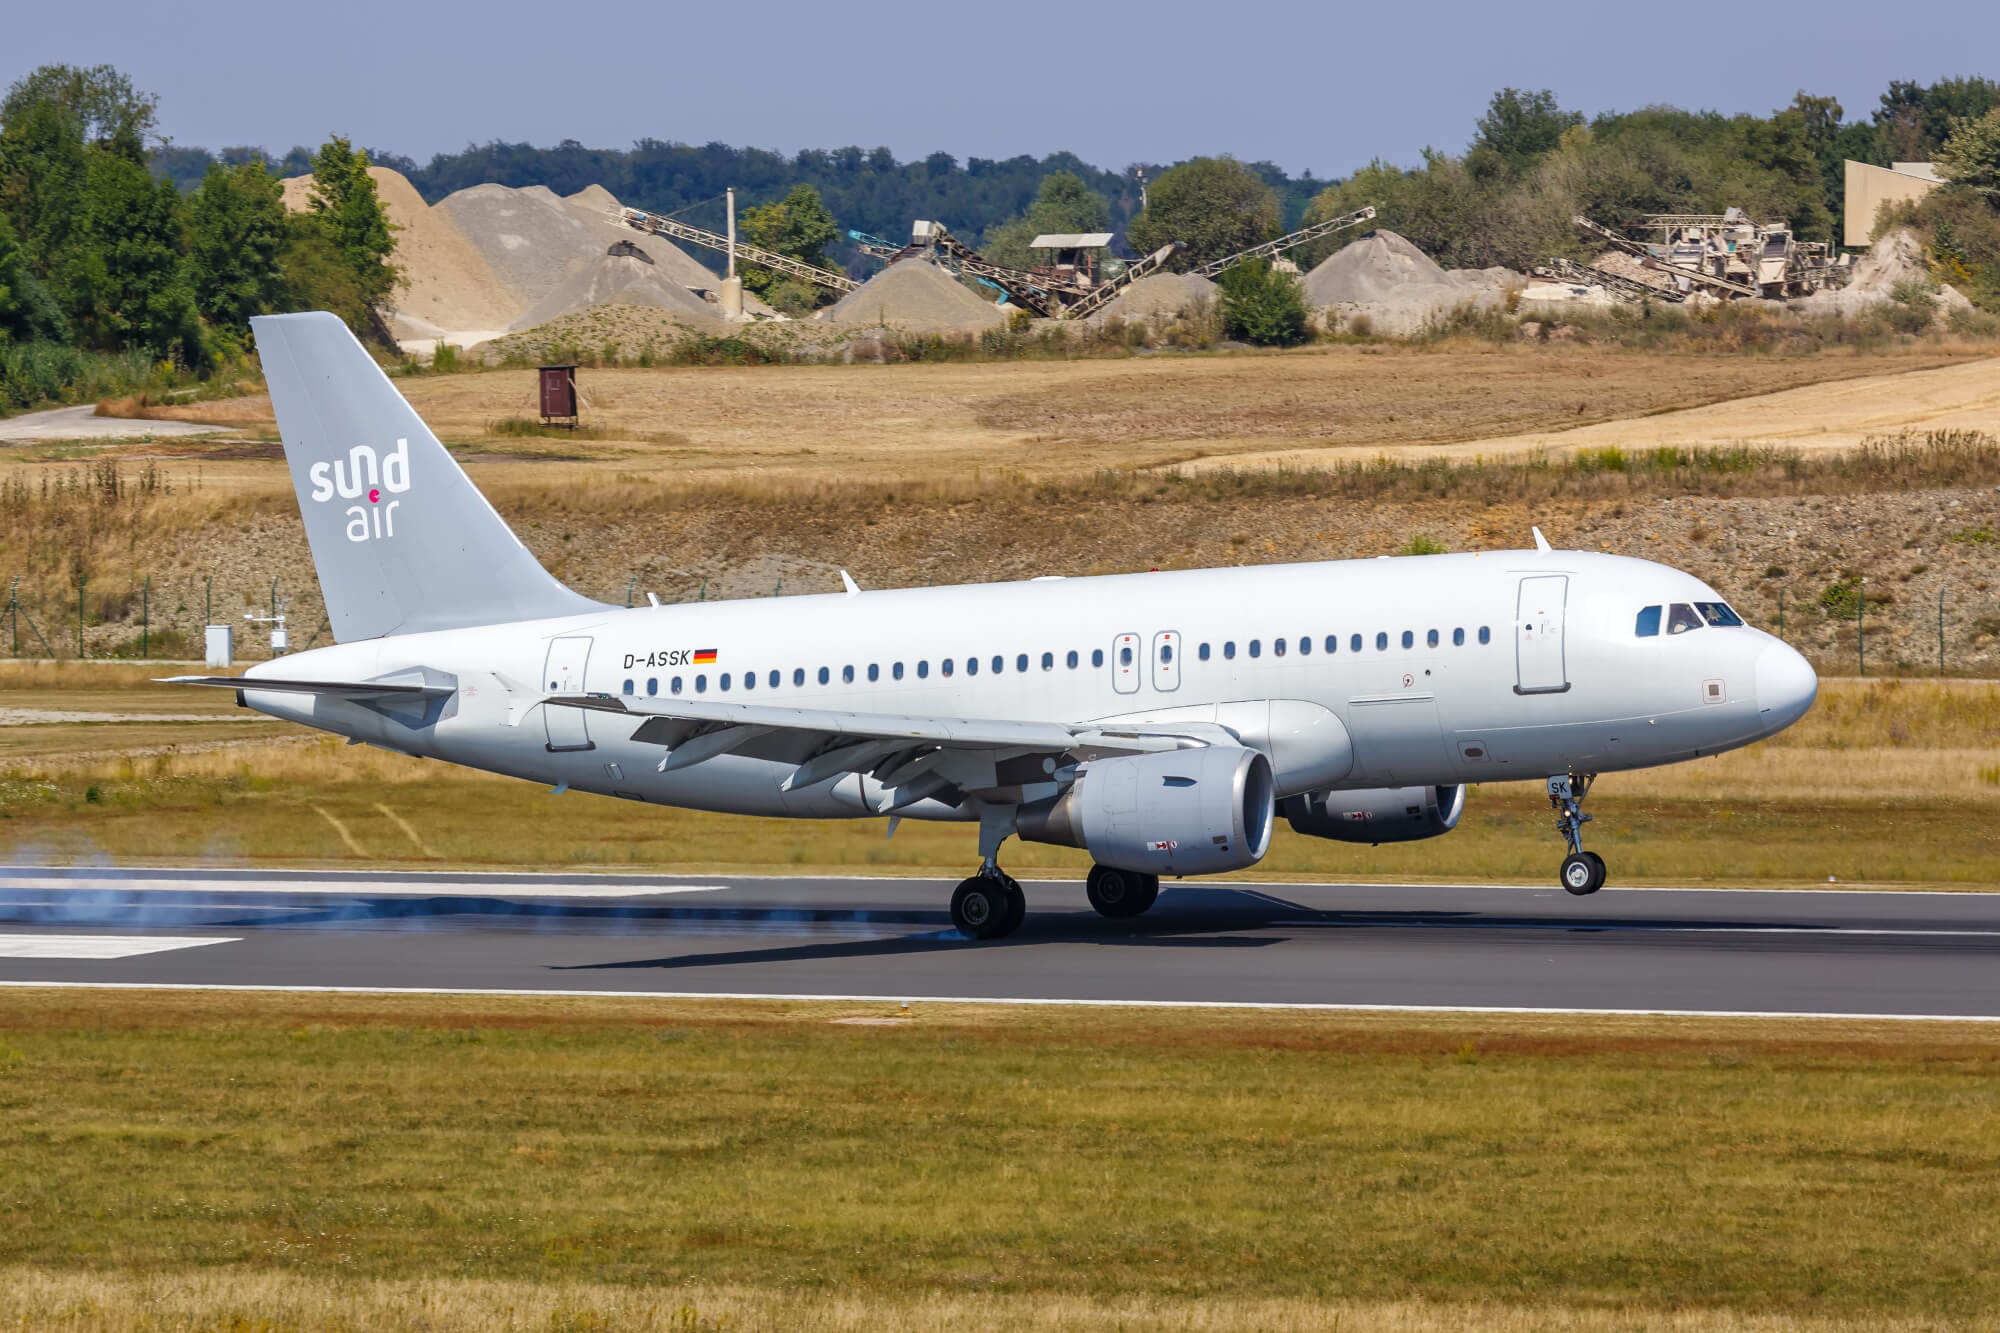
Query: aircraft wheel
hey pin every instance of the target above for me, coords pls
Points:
(1597, 862)
(1017, 907)
(1579, 875)
(1119, 893)
(979, 908)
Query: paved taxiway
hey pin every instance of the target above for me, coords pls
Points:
(1917, 954)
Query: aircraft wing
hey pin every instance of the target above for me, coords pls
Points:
(909, 756)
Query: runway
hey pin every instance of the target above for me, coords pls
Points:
(1914, 955)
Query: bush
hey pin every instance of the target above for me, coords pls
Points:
(1263, 305)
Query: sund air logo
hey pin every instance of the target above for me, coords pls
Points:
(365, 476)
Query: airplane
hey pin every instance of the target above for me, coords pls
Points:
(1162, 722)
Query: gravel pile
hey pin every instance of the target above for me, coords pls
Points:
(1895, 259)
(629, 277)
(1163, 296)
(918, 296)
(1380, 266)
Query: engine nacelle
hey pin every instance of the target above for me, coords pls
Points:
(1185, 812)
(1377, 815)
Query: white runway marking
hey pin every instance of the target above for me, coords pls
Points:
(98, 948)
(1018, 1001)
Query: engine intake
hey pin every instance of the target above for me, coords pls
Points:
(1376, 815)
(1185, 812)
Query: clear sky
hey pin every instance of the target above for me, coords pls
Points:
(1325, 86)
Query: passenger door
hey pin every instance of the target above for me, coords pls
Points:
(1539, 665)
(563, 674)
(1167, 661)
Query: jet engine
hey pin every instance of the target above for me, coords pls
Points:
(1377, 815)
(1185, 812)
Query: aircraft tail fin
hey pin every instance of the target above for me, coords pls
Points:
(402, 540)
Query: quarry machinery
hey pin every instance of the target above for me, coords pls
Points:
(1587, 275)
(655, 225)
(1728, 254)
(1291, 240)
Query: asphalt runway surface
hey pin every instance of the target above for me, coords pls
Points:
(1930, 955)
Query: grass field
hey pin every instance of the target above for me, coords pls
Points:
(1884, 782)
(264, 1162)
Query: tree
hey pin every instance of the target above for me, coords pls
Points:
(1063, 203)
(343, 202)
(1971, 156)
(127, 280)
(1519, 127)
(1263, 305)
(101, 105)
(236, 235)
(1214, 206)
(798, 227)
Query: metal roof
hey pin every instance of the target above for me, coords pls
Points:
(1070, 240)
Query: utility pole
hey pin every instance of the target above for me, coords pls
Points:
(731, 296)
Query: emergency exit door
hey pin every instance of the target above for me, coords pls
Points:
(1166, 660)
(1125, 664)
(1539, 665)
(563, 674)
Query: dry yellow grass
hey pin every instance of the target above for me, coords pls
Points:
(58, 1301)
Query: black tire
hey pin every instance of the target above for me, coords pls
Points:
(1017, 907)
(1578, 875)
(979, 908)
(1120, 893)
(1598, 863)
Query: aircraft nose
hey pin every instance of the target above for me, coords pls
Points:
(1786, 686)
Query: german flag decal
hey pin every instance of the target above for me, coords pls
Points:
(704, 656)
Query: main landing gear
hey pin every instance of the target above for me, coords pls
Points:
(989, 906)
(1582, 872)
(1115, 892)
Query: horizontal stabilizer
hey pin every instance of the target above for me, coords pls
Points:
(338, 689)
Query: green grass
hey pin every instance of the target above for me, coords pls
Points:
(1832, 1170)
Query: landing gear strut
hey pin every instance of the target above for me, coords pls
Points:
(1115, 892)
(1582, 872)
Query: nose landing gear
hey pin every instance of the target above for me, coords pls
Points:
(1582, 872)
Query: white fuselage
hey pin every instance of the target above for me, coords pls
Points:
(1469, 668)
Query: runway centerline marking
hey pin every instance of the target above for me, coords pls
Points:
(101, 948)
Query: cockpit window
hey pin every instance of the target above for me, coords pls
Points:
(1718, 613)
(1681, 618)
(1649, 622)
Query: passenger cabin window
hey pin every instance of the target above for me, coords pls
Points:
(1648, 624)
(773, 682)
(1125, 656)
(798, 675)
(1229, 650)
(724, 682)
(1485, 634)
(999, 664)
(824, 675)
(749, 680)
(1020, 662)
(675, 684)
(1202, 652)
(1681, 618)
(1354, 643)
(1333, 643)
(1431, 639)
(895, 671)
(1256, 647)
(1719, 614)
(1305, 645)
(701, 684)
(1072, 659)
(971, 666)
(1409, 639)
(923, 669)
(945, 666)
(628, 687)
(1049, 660)
(1097, 657)
(1277, 647)
(1458, 638)
(847, 675)
(1381, 642)
(1166, 653)
(874, 672)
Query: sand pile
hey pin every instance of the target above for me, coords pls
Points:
(629, 277)
(1893, 260)
(1380, 266)
(447, 284)
(1163, 296)
(918, 296)
(1397, 287)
